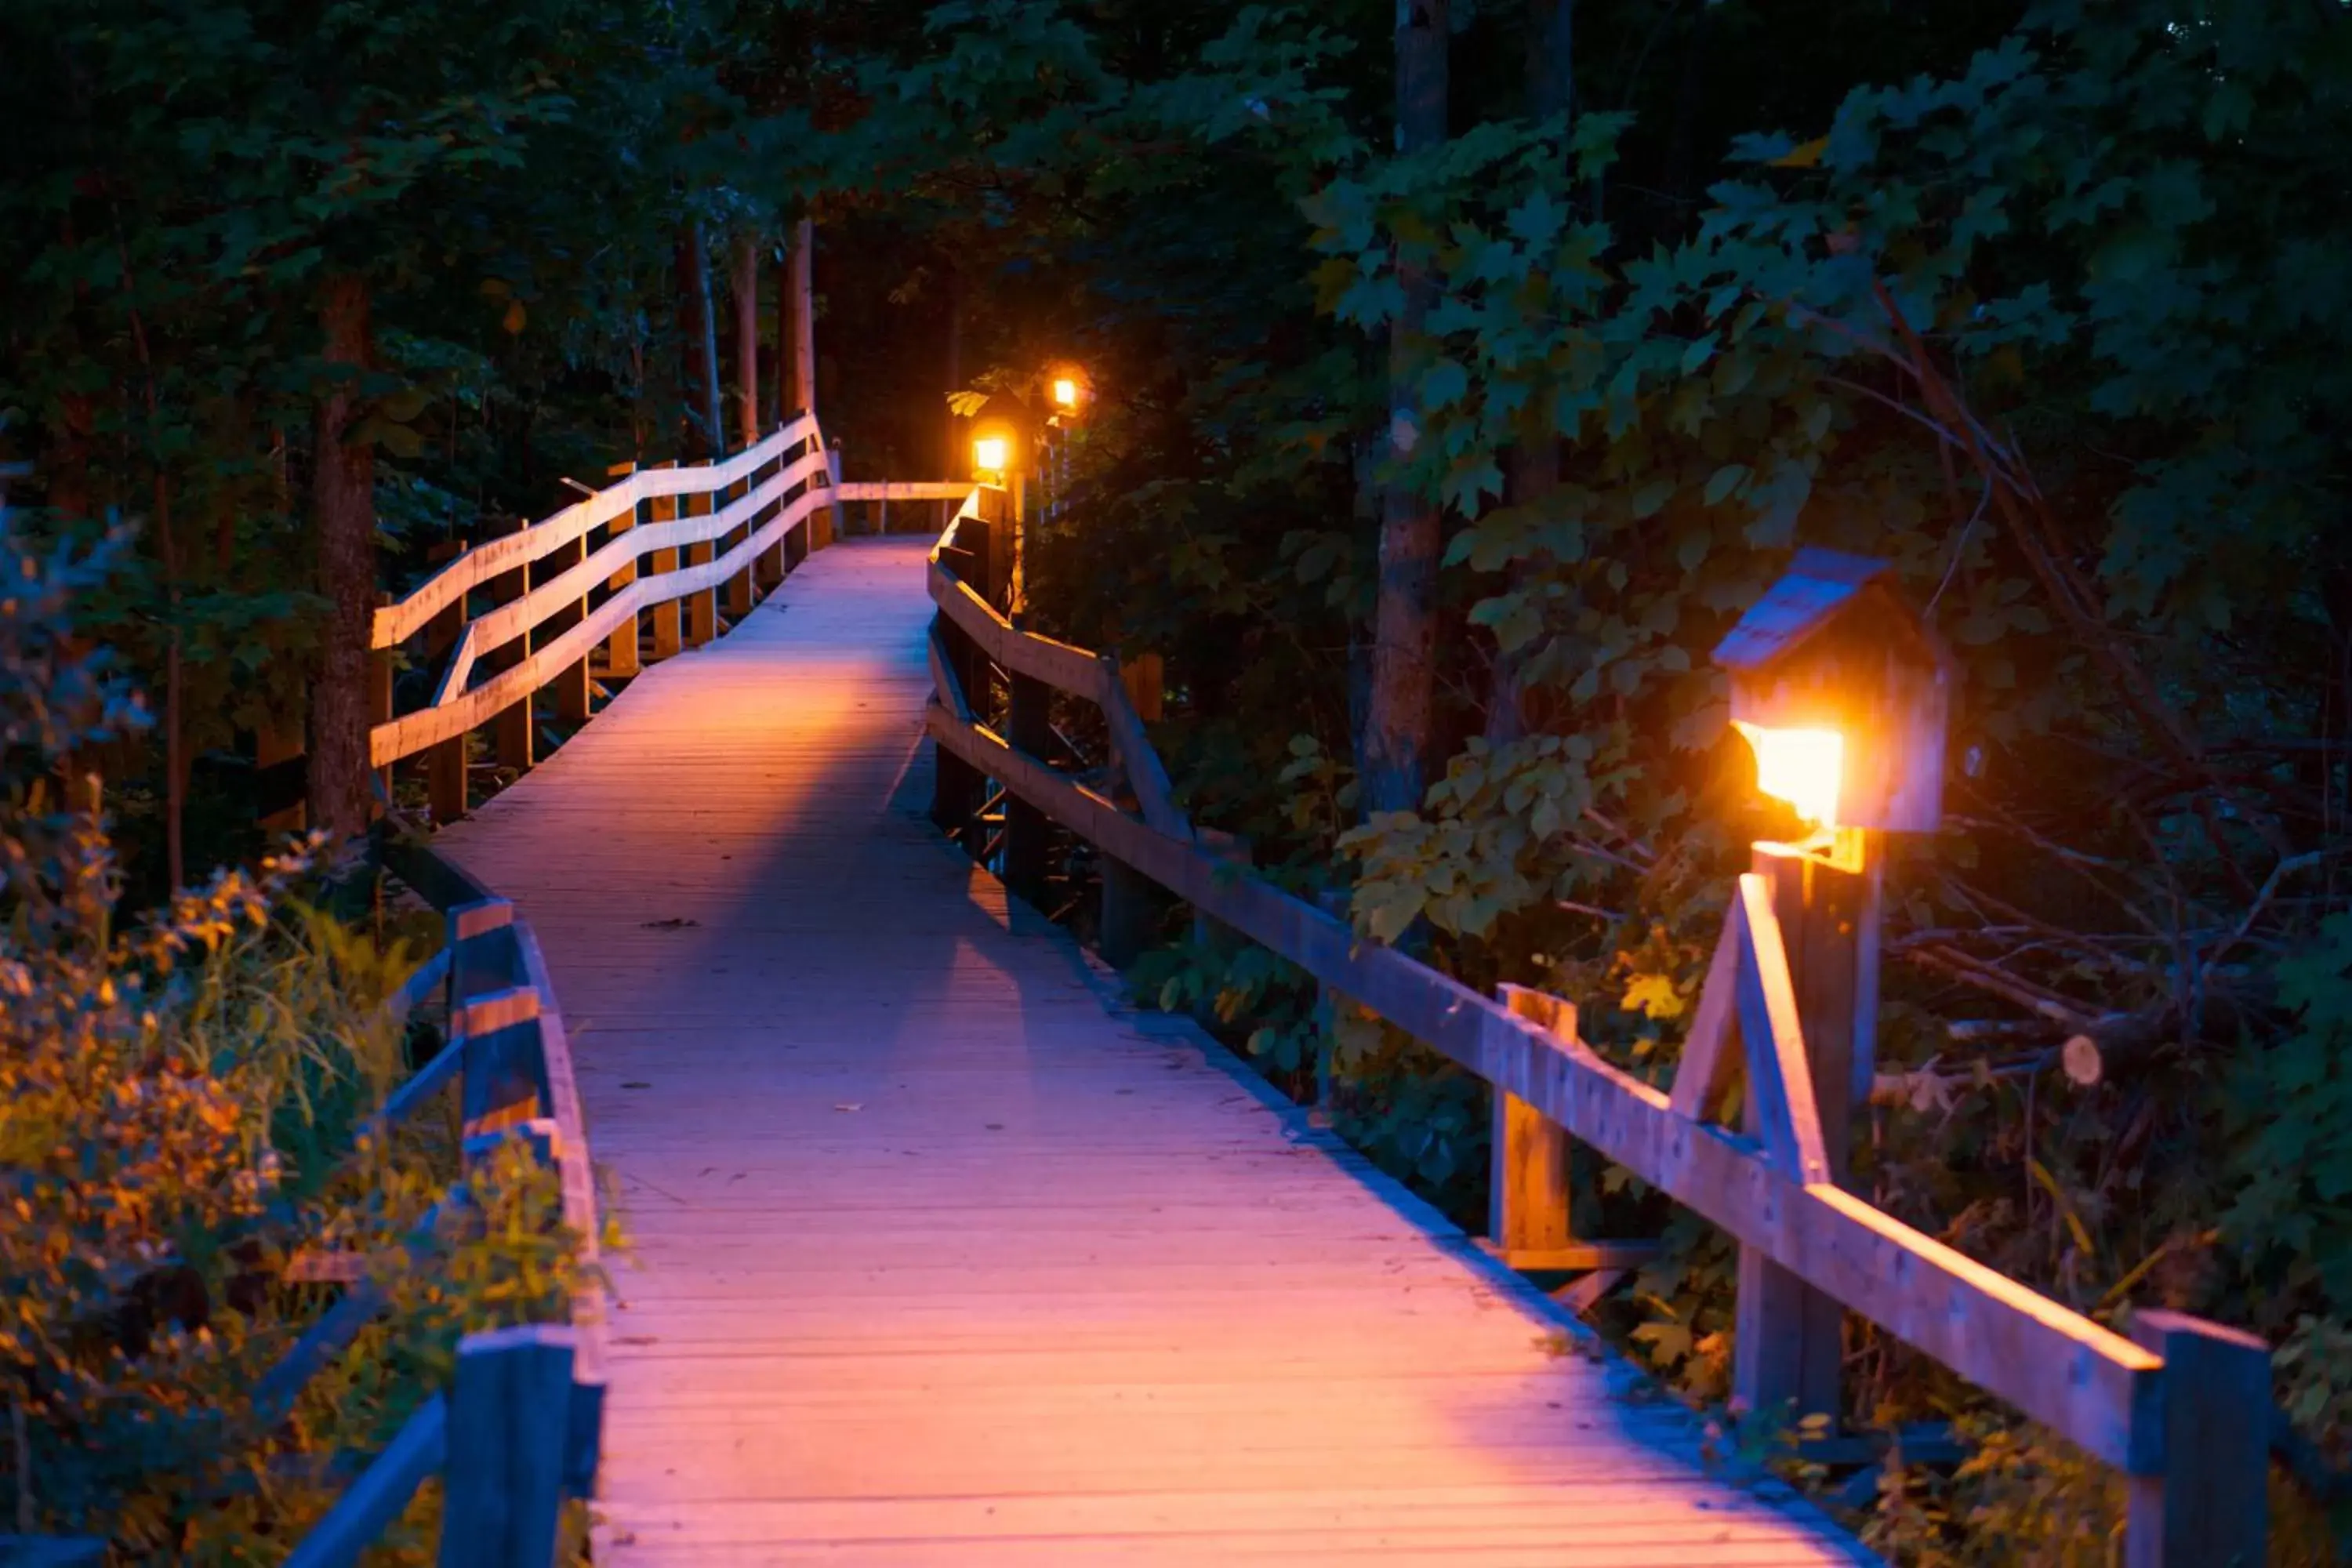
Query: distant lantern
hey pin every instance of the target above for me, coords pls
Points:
(1065, 392)
(1843, 693)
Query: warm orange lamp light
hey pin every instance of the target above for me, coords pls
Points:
(990, 453)
(1802, 767)
(1844, 692)
(1066, 391)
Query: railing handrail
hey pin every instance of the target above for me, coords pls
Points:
(397, 622)
(508, 1052)
(799, 484)
(2122, 1402)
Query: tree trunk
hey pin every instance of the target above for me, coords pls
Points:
(1535, 461)
(1400, 714)
(959, 461)
(705, 431)
(804, 314)
(344, 504)
(747, 338)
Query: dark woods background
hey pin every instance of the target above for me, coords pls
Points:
(1579, 316)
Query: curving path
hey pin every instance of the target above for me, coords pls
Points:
(941, 1255)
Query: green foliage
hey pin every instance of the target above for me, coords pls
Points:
(183, 1102)
(2292, 1173)
(2032, 303)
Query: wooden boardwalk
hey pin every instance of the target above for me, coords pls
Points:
(942, 1256)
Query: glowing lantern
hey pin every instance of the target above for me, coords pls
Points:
(1065, 392)
(990, 453)
(1800, 766)
(1844, 692)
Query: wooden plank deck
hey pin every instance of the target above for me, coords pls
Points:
(943, 1255)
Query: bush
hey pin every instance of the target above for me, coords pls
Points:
(183, 1139)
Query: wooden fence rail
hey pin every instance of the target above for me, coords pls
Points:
(660, 553)
(2183, 1407)
(520, 1428)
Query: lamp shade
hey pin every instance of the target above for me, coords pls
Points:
(1833, 650)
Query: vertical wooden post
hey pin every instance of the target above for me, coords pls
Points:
(2207, 1506)
(1144, 677)
(512, 730)
(1328, 1001)
(571, 682)
(444, 763)
(621, 647)
(825, 525)
(1132, 905)
(380, 709)
(509, 1410)
(1528, 1197)
(1789, 1342)
(702, 604)
(737, 598)
(1208, 932)
(955, 797)
(955, 784)
(667, 617)
(1028, 836)
(977, 537)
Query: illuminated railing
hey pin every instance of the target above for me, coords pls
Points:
(655, 559)
(2183, 1406)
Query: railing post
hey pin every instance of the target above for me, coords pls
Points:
(621, 647)
(1028, 834)
(1132, 909)
(1208, 932)
(667, 615)
(1143, 677)
(1527, 1196)
(825, 528)
(702, 604)
(2206, 1503)
(445, 762)
(955, 784)
(510, 1414)
(741, 594)
(379, 706)
(512, 728)
(571, 682)
(1788, 1347)
(1328, 1002)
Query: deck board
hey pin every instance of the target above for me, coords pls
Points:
(942, 1255)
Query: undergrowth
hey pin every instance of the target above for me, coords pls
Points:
(187, 1165)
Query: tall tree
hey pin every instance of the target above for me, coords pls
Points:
(342, 496)
(1535, 459)
(746, 291)
(1400, 714)
(702, 418)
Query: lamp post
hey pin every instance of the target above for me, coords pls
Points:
(1843, 694)
(1068, 389)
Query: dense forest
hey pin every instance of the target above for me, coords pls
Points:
(1457, 374)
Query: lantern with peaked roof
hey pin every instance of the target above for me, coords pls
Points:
(1844, 692)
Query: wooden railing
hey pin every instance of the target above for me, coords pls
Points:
(2183, 1408)
(643, 568)
(519, 1428)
